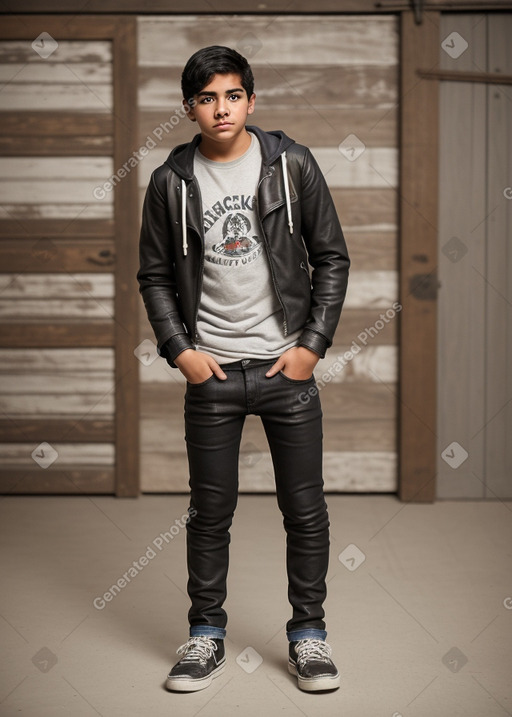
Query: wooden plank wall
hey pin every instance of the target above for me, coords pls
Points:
(56, 248)
(327, 81)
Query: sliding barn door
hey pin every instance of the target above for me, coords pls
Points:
(68, 248)
(475, 263)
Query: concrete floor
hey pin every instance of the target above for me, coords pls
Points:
(422, 626)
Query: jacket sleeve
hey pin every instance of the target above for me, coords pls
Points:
(327, 254)
(156, 276)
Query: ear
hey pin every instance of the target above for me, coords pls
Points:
(251, 105)
(189, 109)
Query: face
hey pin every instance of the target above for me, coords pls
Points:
(221, 108)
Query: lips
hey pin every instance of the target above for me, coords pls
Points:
(221, 125)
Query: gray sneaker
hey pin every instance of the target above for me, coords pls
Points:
(203, 659)
(310, 660)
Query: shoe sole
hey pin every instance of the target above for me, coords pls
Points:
(184, 684)
(314, 684)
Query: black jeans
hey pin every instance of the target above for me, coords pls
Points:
(215, 412)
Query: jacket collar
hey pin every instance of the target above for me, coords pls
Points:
(273, 144)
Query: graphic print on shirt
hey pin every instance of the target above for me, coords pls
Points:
(239, 243)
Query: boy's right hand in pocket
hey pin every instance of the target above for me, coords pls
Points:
(197, 366)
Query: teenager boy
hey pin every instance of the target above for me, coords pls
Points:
(230, 222)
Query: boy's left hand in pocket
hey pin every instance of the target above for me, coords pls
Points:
(297, 363)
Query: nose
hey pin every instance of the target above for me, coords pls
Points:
(221, 109)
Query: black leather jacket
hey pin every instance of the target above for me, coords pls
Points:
(171, 257)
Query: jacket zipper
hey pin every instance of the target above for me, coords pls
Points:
(199, 288)
(269, 256)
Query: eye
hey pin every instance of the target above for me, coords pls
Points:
(234, 97)
(206, 100)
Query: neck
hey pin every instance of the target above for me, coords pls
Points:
(225, 151)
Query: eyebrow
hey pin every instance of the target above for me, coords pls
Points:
(214, 94)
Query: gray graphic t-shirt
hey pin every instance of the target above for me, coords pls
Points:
(239, 313)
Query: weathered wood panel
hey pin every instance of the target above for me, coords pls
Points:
(54, 187)
(44, 212)
(47, 255)
(63, 124)
(56, 382)
(375, 250)
(69, 52)
(69, 76)
(19, 455)
(55, 97)
(51, 229)
(367, 208)
(56, 296)
(55, 430)
(57, 286)
(272, 40)
(25, 334)
(50, 72)
(56, 146)
(37, 405)
(81, 481)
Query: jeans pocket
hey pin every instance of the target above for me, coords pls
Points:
(296, 380)
(202, 383)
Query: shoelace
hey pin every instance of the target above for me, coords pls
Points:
(311, 649)
(197, 649)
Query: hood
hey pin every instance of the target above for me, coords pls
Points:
(273, 144)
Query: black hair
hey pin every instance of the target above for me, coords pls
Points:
(210, 61)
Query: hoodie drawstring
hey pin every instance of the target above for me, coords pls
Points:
(184, 216)
(287, 192)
